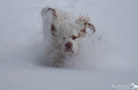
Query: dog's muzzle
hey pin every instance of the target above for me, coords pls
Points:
(68, 47)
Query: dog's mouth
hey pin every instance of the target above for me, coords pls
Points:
(68, 50)
(68, 47)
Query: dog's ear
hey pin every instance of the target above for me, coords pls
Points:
(83, 22)
(56, 16)
(82, 32)
(53, 11)
(53, 30)
(91, 27)
(56, 19)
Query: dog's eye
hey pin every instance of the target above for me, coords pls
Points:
(74, 37)
(64, 38)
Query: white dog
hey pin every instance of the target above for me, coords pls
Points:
(67, 31)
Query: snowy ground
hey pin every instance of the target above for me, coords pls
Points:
(109, 59)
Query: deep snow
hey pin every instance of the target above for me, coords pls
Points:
(109, 58)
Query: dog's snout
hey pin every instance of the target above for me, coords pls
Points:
(68, 45)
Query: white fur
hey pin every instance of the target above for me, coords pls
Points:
(67, 31)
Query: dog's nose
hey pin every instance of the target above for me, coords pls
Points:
(68, 45)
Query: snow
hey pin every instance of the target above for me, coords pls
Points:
(109, 57)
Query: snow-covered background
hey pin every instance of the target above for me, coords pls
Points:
(110, 57)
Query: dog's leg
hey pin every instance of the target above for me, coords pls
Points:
(58, 63)
(58, 60)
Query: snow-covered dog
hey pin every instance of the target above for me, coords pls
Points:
(67, 31)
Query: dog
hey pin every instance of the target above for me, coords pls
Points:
(67, 31)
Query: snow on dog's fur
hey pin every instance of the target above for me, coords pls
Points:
(67, 31)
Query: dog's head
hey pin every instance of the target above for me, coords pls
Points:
(68, 37)
(68, 34)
